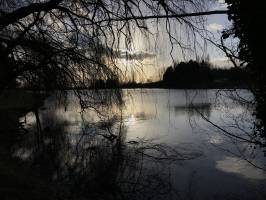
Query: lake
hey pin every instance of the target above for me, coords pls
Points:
(156, 144)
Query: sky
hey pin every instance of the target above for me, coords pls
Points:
(216, 24)
(149, 56)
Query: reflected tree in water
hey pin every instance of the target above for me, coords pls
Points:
(97, 161)
(235, 129)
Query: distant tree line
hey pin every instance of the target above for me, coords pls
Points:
(201, 74)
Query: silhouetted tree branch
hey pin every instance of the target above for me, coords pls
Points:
(72, 44)
(214, 12)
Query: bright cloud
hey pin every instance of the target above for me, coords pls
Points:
(215, 27)
(137, 55)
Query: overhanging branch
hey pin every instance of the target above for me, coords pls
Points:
(22, 12)
(183, 15)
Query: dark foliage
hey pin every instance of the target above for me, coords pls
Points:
(249, 21)
(195, 74)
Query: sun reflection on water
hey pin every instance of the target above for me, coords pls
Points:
(131, 120)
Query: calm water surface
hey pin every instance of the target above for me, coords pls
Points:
(180, 136)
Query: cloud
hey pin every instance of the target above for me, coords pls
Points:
(221, 4)
(137, 55)
(215, 27)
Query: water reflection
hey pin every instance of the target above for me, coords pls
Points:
(94, 159)
(194, 109)
(156, 145)
(239, 166)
